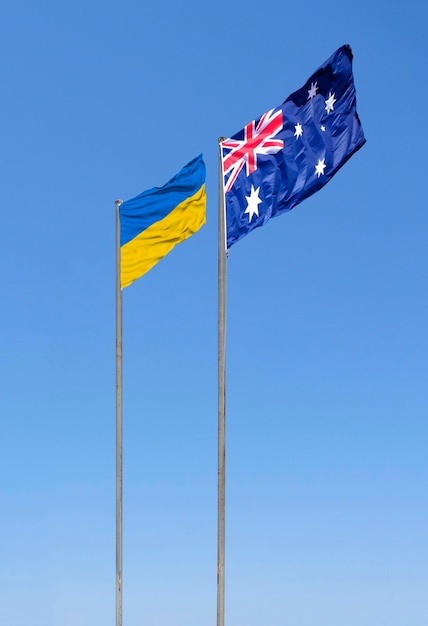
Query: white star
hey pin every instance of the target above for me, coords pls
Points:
(312, 91)
(299, 131)
(253, 201)
(320, 167)
(329, 102)
(323, 129)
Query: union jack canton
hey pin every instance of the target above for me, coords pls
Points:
(277, 161)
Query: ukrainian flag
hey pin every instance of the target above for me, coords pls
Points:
(152, 223)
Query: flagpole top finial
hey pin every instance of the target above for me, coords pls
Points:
(221, 139)
(118, 202)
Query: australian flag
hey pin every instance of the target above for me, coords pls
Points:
(290, 152)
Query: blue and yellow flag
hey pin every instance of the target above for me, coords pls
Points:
(152, 223)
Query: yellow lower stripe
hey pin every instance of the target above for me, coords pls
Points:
(140, 254)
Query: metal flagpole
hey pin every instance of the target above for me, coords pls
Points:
(118, 425)
(222, 266)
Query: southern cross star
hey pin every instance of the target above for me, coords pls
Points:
(329, 102)
(320, 167)
(312, 91)
(299, 131)
(253, 201)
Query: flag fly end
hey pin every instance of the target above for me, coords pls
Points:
(293, 150)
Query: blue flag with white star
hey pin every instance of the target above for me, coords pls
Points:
(291, 151)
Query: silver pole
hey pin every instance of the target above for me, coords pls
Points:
(118, 425)
(222, 261)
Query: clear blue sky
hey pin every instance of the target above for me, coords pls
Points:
(327, 348)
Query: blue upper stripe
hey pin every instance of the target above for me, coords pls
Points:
(137, 214)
